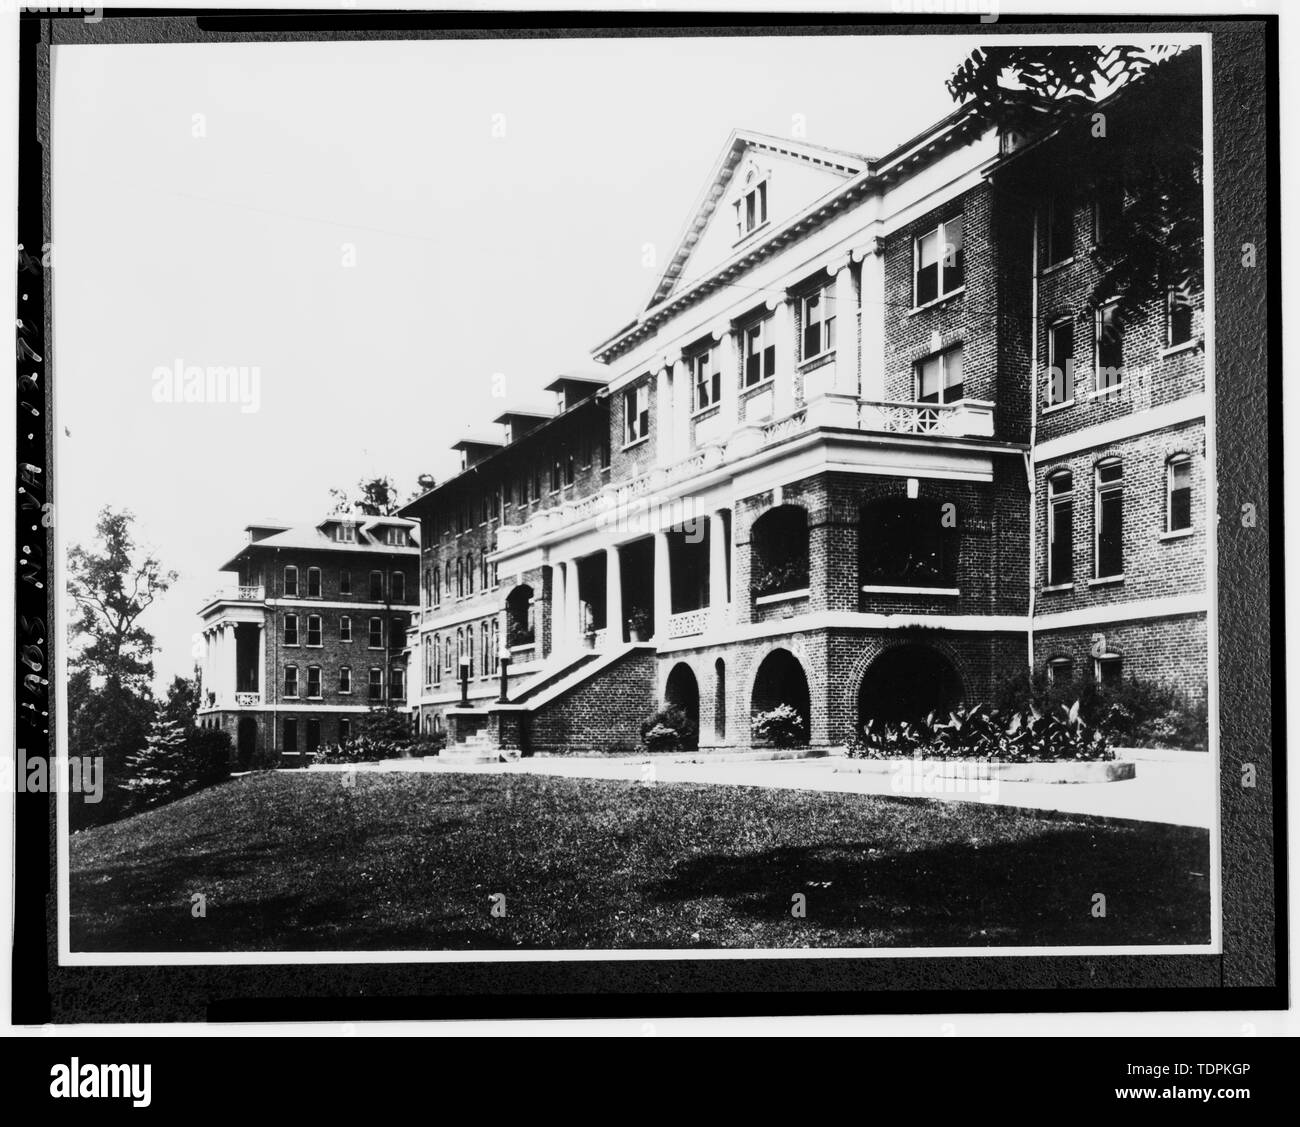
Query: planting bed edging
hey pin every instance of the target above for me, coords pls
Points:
(1064, 771)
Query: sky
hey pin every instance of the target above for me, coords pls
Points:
(388, 233)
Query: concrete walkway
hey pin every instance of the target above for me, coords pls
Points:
(1172, 787)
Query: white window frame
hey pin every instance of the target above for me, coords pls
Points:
(636, 421)
(372, 684)
(297, 684)
(1099, 488)
(370, 633)
(940, 231)
(1059, 661)
(345, 680)
(320, 686)
(320, 632)
(290, 568)
(345, 628)
(1053, 500)
(1170, 294)
(1103, 659)
(824, 295)
(1053, 363)
(297, 634)
(397, 587)
(314, 572)
(1171, 464)
(705, 375)
(758, 197)
(765, 328)
(1099, 321)
(943, 356)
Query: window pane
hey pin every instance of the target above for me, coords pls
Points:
(928, 376)
(1110, 534)
(953, 255)
(952, 377)
(1061, 558)
(1180, 496)
(1110, 348)
(927, 268)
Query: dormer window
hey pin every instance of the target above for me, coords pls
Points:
(751, 206)
(345, 533)
(395, 537)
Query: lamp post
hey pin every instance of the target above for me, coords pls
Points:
(464, 682)
(504, 658)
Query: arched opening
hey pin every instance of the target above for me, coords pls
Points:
(246, 740)
(779, 551)
(519, 617)
(908, 543)
(720, 699)
(682, 691)
(781, 681)
(906, 683)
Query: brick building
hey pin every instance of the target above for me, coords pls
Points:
(827, 464)
(312, 635)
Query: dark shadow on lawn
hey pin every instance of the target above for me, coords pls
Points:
(1037, 890)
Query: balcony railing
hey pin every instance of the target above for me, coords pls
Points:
(241, 593)
(247, 700)
(688, 623)
(967, 418)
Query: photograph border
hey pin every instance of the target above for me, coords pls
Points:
(1243, 308)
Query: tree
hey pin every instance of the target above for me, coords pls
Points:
(159, 771)
(110, 705)
(113, 584)
(1151, 152)
(378, 497)
(182, 703)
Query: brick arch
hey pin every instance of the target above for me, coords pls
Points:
(797, 653)
(875, 646)
(948, 686)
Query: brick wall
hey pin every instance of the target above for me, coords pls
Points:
(601, 715)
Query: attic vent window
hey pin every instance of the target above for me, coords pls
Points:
(751, 207)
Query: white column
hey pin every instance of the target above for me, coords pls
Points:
(787, 357)
(559, 615)
(683, 398)
(846, 331)
(728, 361)
(572, 603)
(662, 586)
(717, 569)
(613, 597)
(261, 661)
(872, 383)
(229, 661)
(664, 413)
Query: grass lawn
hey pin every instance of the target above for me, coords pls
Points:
(409, 861)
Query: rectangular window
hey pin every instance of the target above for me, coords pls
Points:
(1060, 362)
(818, 316)
(313, 630)
(1178, 507)
(938, 262)
(570, 469)
(346, 533)
(313, 682)
(1060, 670)
(636, 411)
(376, 633)
(706, 380)
(377, 585)
(345, 679)
(751, 210)
(1058, 242)
(313, 583)
(1108, 669)
(345, 729)
(1109, 516)
(939, 377)
(290, 629)
(290, 733)
(345, 582)
(376, 684)
(1178, 318)
(291, 680)
(291, 582)
(345, 628)
(604, 452)
(1060, 529)
(760, 352)
(397, 683)
(1110, 347)
(313, 733)
(397, 633)
(399, 586)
